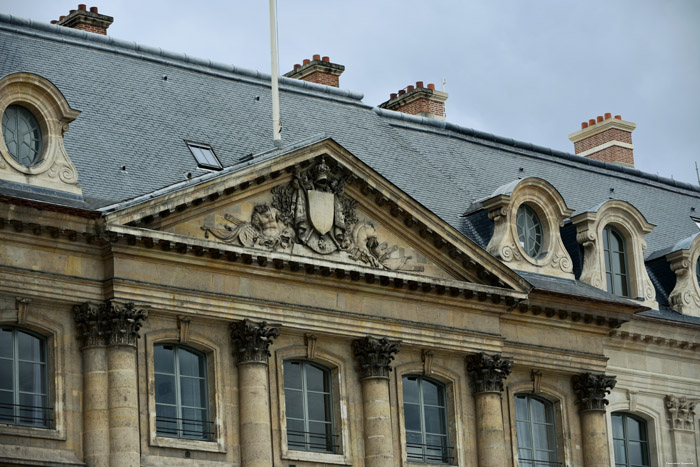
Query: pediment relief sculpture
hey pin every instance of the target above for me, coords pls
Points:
(312, 214)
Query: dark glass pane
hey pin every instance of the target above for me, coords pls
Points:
(316, 379)
(6, 343)
(432, 393)
(319, 406)
(436, 451)
(414, 446)
(434, 422)
(31, 377)
(22, 135)
(192, 392)
(163, 359)
(166, 423)
(412, 416)
(165, 389)
(294, 403)
(6, 407)
(30, 347)
(616, 242)
(537, 409)
(620, 264)
(410, 389)
(292, 375)
(529, 229)
(541, 436)
(6, 377)
(523, 434)
(619, 446)
(636, 453)
(618, 431)
(31, 410)
(320, 436)
(521, 412)
(295, 434)
(192, 422)
(634, 430)
(191, 364)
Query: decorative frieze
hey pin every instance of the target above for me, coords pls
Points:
(374, 356)
(655, 340)
(253, 340)
(681, 412)
(487, 372)
(591, 390)
(109, 323)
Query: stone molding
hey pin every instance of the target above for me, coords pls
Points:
(634, 227)
(550, 207)
(253, 340)
(374, 356)
(55, 170)
(655, 340)
(487, 372)
(681, 412)
(601, 127)
(109, 323)
(591, 390)
(609, 144)
(685, 297)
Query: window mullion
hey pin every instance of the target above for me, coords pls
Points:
(15, 376)
(421, 404)
(178, 404)
(305, 407)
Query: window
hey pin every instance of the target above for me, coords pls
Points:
(630, 440)
(615, 261)
(308, 404)
(23, 379)
(22, 135)
(529, 230)
(534, 418)
(182, 409)
(204, 155)
(425, 416)
(697, 271)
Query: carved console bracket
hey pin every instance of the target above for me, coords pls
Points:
(591, 390)
(487, 372)
(22, 305)
(310, 342)
(253, 340)
(681, 413)
(427, 358)
(374, 356)
(183, 326)
(109, 323)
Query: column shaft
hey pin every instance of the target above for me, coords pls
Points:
(124, 441)
(95, 407)
(254, 406)
(379, 447)
(490, 439)
(594, 439)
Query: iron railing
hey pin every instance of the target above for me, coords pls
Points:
(430, 453)
(316, 441)
(185, 428)
(28, 415)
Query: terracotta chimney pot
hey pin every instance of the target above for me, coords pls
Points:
(599, 118)
(419, 84)
(608, 116)
(325, 59)
(410, 88)
(82, 6)
(306, 61)
(431, 86)
(584, 125)
(317, 57)
(93, 9)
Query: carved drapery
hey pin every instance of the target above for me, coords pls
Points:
(253, 340)
(374, 356)
(591, 389)
(487, 372)
(681, 412)
(109, 323)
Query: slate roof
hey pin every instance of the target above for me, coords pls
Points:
(129, 139)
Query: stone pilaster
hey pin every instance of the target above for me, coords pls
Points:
(681, 419)
(374, 357)
(486, 374)
(591, 391)
(252, 342)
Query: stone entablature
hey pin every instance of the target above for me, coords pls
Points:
(683, 259)
(551, 209)
(673, 343)
(634, 228)
(591, 390)
(374, 356)
(487, 372)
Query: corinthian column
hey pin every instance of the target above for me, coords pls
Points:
(252, 341)
(590, 392)
(89, 318)
(486, 373)
(374, 357)
(122, 323)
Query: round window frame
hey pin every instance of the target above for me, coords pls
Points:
(548, 230)
(524, 207)
(42, 128)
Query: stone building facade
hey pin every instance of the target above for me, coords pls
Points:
(380, 290)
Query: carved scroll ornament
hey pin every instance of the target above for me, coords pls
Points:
(374, 356)
(591, 390)
(487, 372)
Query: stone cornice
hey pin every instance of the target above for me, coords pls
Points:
(418, 93)
(648, 339)
(609, 144)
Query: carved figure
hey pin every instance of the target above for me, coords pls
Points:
(264, 229)
(367, 248)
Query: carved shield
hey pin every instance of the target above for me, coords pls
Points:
(321, 209)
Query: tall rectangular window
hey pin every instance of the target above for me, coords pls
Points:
(537, 442)
(630, 440)
(425, 417)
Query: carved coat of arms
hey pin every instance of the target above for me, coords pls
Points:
(312, 210)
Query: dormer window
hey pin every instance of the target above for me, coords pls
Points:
(22, 134)
(529, 230)
(204, 155)
(615, 261)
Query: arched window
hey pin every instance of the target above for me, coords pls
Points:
(309, 407)
(535, 431)
(23, 380)
(530, 230)
(630, 440)
(182, 395)
(615, 261)
(425, 416)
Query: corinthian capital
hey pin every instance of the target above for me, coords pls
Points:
(374, 356)
(253, 340)
(487, 372)
(122, 323)
(591, 390)
(90, 319)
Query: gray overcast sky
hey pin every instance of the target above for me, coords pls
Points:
(528, 70)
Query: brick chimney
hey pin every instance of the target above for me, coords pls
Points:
(319, 70)
(605, 139)
(418, 100)
(90, 21)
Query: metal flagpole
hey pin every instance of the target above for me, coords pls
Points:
(276, 125)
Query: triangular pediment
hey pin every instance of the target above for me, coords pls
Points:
(319, 203)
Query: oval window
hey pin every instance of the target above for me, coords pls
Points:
(697, 271)
(22, 134)
(529, 230)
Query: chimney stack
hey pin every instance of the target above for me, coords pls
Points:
(605, 139)
(90, 21)
(418, 100)
(319, 70)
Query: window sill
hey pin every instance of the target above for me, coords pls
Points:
(31, 431)
(319, 457)
(189, 444)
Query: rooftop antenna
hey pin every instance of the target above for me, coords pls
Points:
(697, 172)
(276, 124)
(444, 82)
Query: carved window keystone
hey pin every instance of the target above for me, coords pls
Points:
(487, 372)
(591, 390)
(374, 356)
(253, 340)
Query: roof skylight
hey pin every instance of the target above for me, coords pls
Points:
(204, 155)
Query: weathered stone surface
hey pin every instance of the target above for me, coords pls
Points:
(374, 356)
(253, 340)
(487, 372)
(591, 390)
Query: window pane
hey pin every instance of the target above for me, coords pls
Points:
(410, 389)
(6, 343)
(634, 429)
(431, 393)
(414, 446)
(412, 416)
(163, 359)
(6, 407)
(542, 440)
(192, 391)
(294, 404)
(165, 389)
(166, 423)
(319, 406)
(31, 377)
(436, 451)
(433, 420)
(521, 412)
(295, 434)
(620, 456)
(523, 434)
(292, 375)
(537, 409)
(320, 436)
(31, 410)
(29, 347)
(193, 425)
(316, 379)
(6, 377)
(617, 426)
(191, 364)
(523, 456)
(636, 453)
